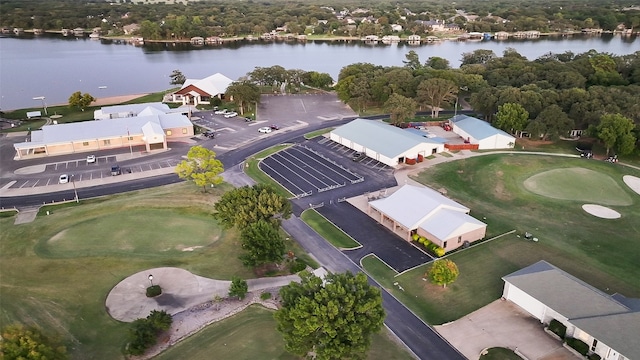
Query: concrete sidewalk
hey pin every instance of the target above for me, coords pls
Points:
(181, 290)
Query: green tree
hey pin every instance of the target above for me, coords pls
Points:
(512, 117)
(160, 320)
(434, 92)
(413, 60)
(331, 318)
(262, 244)
(201, 167)
(400, 108)
(443, 272)
(20, 342)
(242, 93)
(81, 101)
(238, 288)
(553, 122)
(250, 204)
(480, 56)
(438, 63)
(616, 132)
(177, 78)
(143, 333)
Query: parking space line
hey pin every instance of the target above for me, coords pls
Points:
(37, 181)
(23, 185)
(56, 166)
(48, 180)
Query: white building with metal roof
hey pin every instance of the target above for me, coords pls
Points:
(608, 324)
(477, 131)
(201, 91)
(383, 142)
(131, 110)
(424, 211)
(152, 131)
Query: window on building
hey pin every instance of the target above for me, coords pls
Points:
(459, 239)
(594, 345)
(86, 143)
(184, 130)
(444, 245)
(106, 142)
(169, 132)
(130, 138)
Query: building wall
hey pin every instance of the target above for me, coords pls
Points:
(471, 236)
(497, 141)
(524, 300)
(179, 132)
(360, 148)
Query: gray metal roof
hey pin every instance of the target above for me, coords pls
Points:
(102, 129)
(380, 137)
(588, 308)
(134, 108)
(477, 128)
(414, 207)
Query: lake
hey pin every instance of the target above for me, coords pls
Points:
(55, 66)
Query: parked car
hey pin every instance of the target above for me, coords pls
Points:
(115, 170)
(221, 112)
(275, 127)
(264, 130)
(91, 159)
(231, 114)
(209, 134)
(63, 179)
(248, 119)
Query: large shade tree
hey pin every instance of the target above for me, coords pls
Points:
(443, 272)
(434, 92)
(616, 132)
(262, 244)
(81, 101)
(201, 167)
(331, 318)
(28, 343)
(512, 118)
(400, 108)
(246, 205)
(243, 93)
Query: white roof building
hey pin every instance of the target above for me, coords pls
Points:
(383, 142)
(201, 91)
(480, 132)
(130, 110)
(412, 209)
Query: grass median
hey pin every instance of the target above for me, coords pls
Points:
(313, 134)
(328, 230)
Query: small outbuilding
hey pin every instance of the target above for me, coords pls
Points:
(608, 324)
(132, 110)
(480, 132)
(383, 142)
(424, 211)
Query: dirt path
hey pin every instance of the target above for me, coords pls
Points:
(116, 99)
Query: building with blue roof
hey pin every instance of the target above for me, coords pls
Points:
(383, 142)
(477, 131)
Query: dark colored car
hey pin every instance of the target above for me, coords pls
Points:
(115, 170)
(275, 127)
(209, 134)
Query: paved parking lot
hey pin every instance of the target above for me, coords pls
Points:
(82, 171)
(344, 151)
(304, 172)
(305, 107)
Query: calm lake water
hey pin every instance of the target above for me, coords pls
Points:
(55, 67)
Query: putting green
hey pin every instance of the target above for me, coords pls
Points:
(157, 232)
(578, 184)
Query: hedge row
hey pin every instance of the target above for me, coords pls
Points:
(557, 328)
(431, 247)
(578, 345)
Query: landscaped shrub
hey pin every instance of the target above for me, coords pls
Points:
(594, 357)
(422, 239)
(439, 252)
(415, 237)
(153, 291)
(557, 328)
(297, 266)
(265, 296)
(144, 332)
(578, 345)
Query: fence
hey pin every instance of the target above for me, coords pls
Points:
(456, 147)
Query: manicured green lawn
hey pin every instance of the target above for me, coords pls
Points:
(601, 252)
(500, 354)
(56, 272)
(328, 230)
(317, 133)
(252, 334)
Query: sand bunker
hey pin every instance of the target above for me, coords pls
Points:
(601, 211)
(632, 182)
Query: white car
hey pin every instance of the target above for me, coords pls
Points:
(91, 159)
(221, 112)
(265, 130)
(231, 114)
(64, 178)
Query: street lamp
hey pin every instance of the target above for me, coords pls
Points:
(75, 191)
(44, 105)
(151, 279)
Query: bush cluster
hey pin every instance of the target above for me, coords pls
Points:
(153, 291)
(557, 328)
(431, 247)
(296, 266)
(594, 357)
(265, 296)
(578, 345)
(144, 332)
